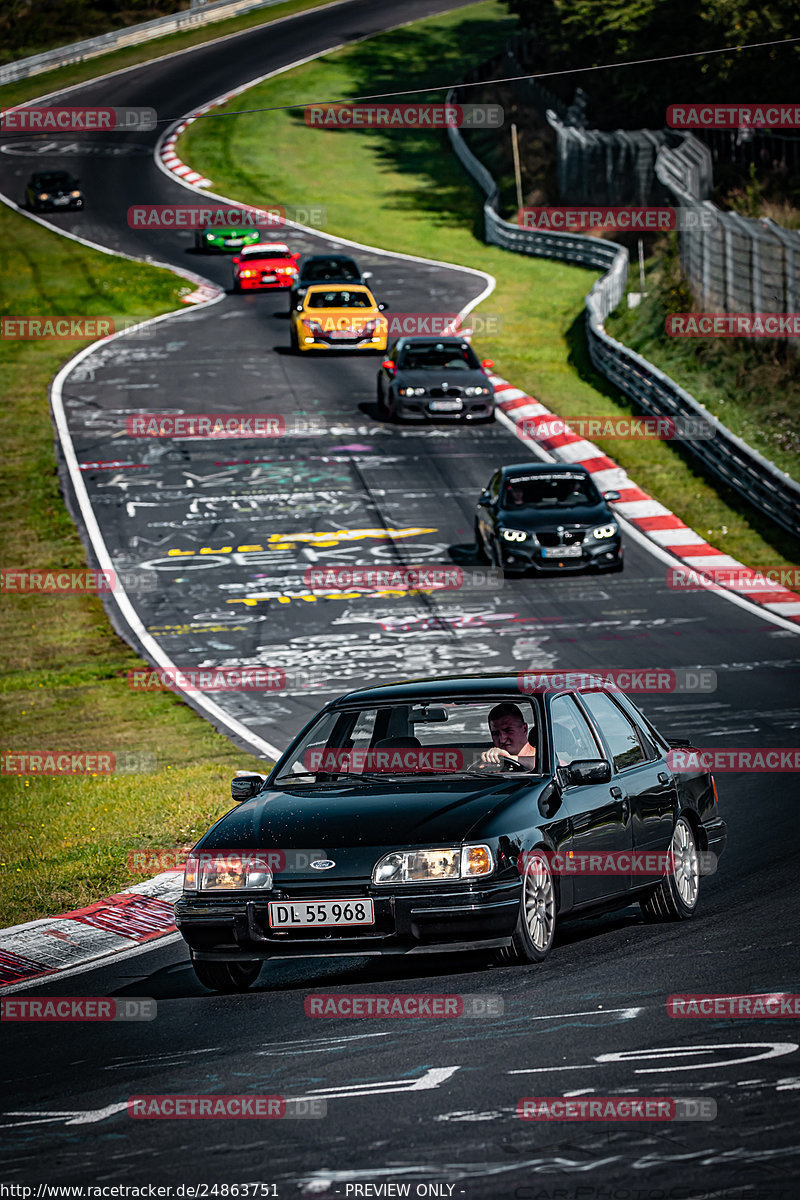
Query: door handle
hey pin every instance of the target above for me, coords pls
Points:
(616, 792)
(663, 777)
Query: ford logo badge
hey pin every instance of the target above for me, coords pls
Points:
(323, 864)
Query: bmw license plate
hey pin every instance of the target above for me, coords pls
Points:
(562, 551)
(301, 914)
(445, 406)
(61, 200)
(232, 241)
(268, 278)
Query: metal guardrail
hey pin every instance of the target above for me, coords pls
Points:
(23, 68)
(751, 475)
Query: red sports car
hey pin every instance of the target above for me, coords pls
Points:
(265, 265)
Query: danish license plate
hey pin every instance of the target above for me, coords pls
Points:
(445, 406)
(345, 335)
(562, 551)
(302, 914)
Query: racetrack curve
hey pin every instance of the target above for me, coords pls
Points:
(602, 992)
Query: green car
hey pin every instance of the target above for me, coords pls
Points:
(226, 238)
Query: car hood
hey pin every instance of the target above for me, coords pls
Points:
(436, 378)
(542, 519)
(231, 233)
(356, 825)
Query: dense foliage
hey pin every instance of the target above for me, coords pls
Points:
(567, 34)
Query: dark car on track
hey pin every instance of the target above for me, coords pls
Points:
(428, 378)
(49, 191)
(547, 516)
(326, 268)
(383, 829)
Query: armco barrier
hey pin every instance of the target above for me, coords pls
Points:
(770, 490)
(23, 68)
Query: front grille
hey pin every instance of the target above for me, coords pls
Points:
(438, 393)
(569, 537)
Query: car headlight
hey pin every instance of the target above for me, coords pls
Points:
(434, 866)
(44, 196)
(412, 391)
(606, 531)
(220, 871)
(514, 535)
(210, 237)
(247, 274)
(75, 195)
(476, 391)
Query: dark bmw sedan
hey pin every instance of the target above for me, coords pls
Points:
(326, 268)
(547, 516)
(463, 813)
(424, 379)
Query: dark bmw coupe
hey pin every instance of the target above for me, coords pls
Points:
(465, 813)
(547, 516)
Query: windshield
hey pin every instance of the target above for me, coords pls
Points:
(549, 491)
(338, 300)
(439, 357)
(439, 739)
(55, 179)
(331, 268)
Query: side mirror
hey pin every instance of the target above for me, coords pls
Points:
(383, 306)
(235, 260)
(295, 257)
(587, 770)
(245, 786)
(484, 497)
(612, 495)
(366, 275)
(487, 364)
(298, 308)
(387, 364)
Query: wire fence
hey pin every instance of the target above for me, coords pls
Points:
(724, 454)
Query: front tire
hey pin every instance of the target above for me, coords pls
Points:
(675, 897)
(226, 976)
(535, 930)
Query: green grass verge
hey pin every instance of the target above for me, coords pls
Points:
(405, 190)
(64, 841)
(116, 60)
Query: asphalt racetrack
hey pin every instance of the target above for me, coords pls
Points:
(430, 1101)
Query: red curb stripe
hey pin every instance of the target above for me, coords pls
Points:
(602, 463)
(665, 521)
(695, 551)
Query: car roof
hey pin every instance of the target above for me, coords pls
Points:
(540, 468)
(338, 285)
(329, 258)
(56, 173)
(462, 687)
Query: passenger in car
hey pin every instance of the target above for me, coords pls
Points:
(510, 736)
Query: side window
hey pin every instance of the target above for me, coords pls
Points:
(652, 741)
(494, 486)
(572, 737)
(618, 731)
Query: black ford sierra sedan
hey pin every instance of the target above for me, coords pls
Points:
(448, 814)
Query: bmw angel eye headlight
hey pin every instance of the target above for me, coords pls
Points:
(476, 391)
(412, 391)
(514, 535)
(434, 866)
(605, 531)
(218, 871)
